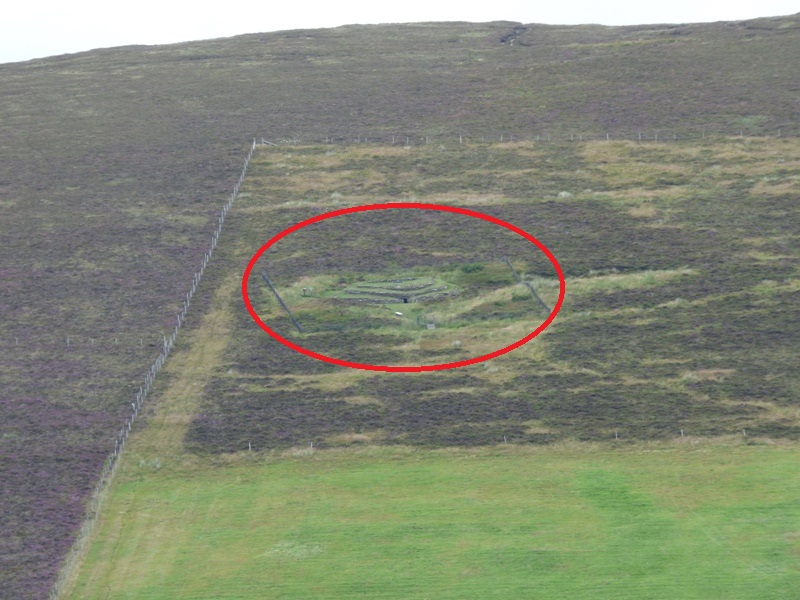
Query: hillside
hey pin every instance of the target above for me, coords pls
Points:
(641, 446)
(114, 163)
(681, 311)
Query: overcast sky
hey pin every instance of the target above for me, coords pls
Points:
(48, 27)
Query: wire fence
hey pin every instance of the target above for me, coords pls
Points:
(110, 465)
(84, 342)
(635, 134)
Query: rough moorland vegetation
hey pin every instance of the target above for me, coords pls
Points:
(681, 315)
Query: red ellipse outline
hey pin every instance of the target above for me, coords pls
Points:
(404, 369)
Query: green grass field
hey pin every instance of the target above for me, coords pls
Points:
(705, 520)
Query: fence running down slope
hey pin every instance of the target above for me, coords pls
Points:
(106, 474)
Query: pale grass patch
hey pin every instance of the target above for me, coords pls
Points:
(318, 282)
(763, 169)
(622, 281)
(189, 369)
(300, 451)
(679, 302)
(634, 195)
(772, 188)
(629, 380)
(462, 199)
(638, 173)
(453, 390)
(334, 381)
(525, 148)
(536, 426)
(354, 438)
(706, 375)
(367, 150)
(785, 240)
(756, 241)
(599, 152)
(501, 337)
(790, 285)
(641, 321)
(331, 160)
(291, 204)
(764, 149)
(753, 156)
(497, 374)
(767, 256)
(644, 211)
(460, 306)
(438, 342)
(328, 181)
(775, 412)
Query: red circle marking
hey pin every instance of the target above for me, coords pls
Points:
(404, 369)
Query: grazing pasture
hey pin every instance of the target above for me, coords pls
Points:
(685, 519)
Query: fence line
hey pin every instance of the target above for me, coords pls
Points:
(109, 467)
(104, 344)
(633, 134)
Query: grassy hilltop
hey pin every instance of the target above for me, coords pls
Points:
(114, 163)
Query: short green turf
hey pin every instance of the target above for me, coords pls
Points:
(697, 520)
